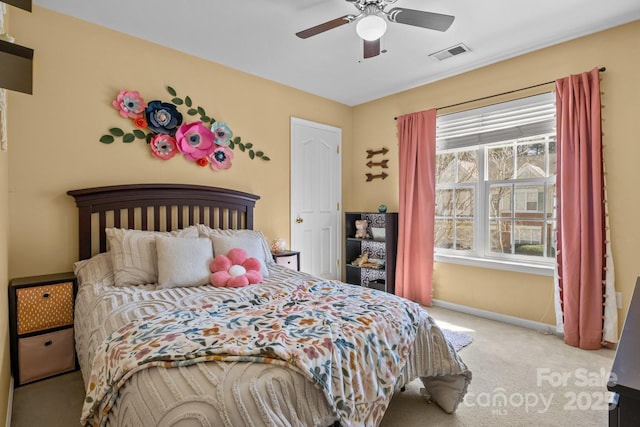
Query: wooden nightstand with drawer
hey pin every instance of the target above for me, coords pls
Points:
(41, 326)
(289, 259)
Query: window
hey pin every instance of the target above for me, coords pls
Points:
(495, 184)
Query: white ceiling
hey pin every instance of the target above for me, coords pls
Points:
(258, 37)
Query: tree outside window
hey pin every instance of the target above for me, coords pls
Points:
(496, 200)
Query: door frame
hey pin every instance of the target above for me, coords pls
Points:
(338, 213)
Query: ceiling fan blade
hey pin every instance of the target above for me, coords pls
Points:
(304, 34)
(371, 48)
(419, 18)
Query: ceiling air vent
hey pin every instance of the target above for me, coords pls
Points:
(449, 52)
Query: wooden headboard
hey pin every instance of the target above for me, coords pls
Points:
(158, 207)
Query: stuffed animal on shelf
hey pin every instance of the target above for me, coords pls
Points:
(361, 260)
(235, 269)
(361, 229)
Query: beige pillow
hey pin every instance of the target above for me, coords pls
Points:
(134, 256)
(252, 242)
(183, 262)
(206, 231)
(94, 269)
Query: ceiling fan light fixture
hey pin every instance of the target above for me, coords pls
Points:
(371, 27)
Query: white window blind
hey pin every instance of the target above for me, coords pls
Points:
(506, 121)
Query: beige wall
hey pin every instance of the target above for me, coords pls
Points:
(5, 358)
(524, 295)
(78, 70)
(80, 67)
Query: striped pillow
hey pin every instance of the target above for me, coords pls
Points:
(134, 256)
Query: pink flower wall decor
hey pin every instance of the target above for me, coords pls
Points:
(129, 104)
(195, 140)
(160, 124)
(163, 146)
(220, 158)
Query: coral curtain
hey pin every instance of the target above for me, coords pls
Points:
(581, 234)
(417, 164)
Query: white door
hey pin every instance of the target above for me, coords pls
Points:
(316, 180)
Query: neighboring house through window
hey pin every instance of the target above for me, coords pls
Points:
(495, 185)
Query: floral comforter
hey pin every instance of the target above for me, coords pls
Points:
(352, 342)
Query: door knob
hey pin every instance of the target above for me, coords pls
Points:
(299, 220)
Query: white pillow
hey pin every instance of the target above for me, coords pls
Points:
(206, 231)
(251, 241)
(183, 262)
(94, 269)
(133, 253)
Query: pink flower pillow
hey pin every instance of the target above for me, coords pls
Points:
(235, 269)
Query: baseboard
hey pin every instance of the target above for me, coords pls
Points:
(524, 323)
(9, 404)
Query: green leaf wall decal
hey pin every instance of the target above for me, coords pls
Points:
(139, 134)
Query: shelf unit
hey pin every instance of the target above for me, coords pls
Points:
(16, 61)
(381, 248)
(41, 326)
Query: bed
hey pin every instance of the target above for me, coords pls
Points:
(303, 352)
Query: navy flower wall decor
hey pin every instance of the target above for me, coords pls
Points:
(161, 125)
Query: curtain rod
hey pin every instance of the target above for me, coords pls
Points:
(601, 69)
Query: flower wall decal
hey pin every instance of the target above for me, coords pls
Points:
(129, 104)
(162, 117)
(221, 158)
(195, 141)
(205, 142)
(163, 146)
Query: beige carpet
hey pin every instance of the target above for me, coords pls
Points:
(542, 382)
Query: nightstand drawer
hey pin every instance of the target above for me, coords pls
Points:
(44, 307)
(45, 355)
(290, 261)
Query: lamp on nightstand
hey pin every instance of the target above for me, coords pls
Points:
(278, 245)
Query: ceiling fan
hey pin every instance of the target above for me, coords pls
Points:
(371, 24)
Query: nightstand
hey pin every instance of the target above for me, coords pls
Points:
(41, 326)
(289, 259)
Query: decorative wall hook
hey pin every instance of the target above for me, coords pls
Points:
(371, 153)
(371, 177)
(382, 164)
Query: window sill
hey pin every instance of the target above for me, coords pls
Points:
(520, 267)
